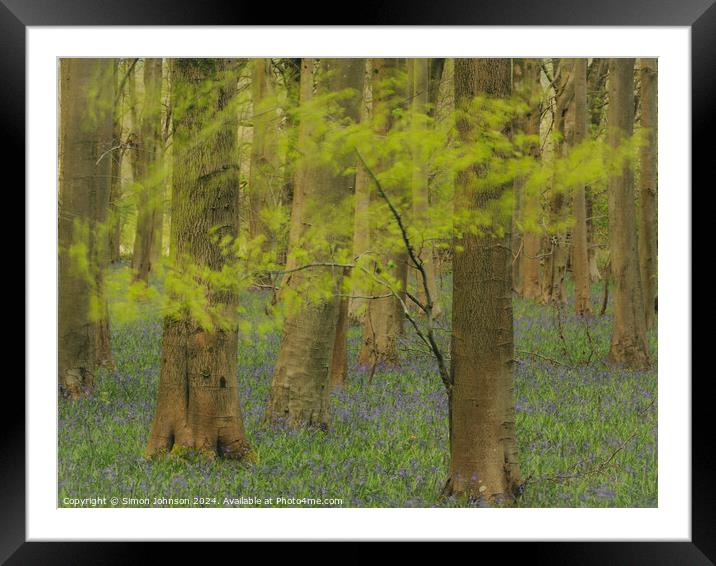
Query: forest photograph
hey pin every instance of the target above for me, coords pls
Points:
(357, 282)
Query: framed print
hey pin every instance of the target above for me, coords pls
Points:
(391, 280)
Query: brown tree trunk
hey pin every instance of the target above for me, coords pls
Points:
(557, 252)
(596, 93)
(115, 192)
(531, 206)
(149, 150)
(300, 385)
(580, 256)
(648, 187)
(86, 107)
(265, 180)
(339, 361)
(361, 225)
(198, 401)
(383, 321)
(483, 458)
(628, 346)
(419, 89)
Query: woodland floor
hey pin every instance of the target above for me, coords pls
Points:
(587, 432)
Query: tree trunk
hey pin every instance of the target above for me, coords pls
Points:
(115, 192)
(384, 318)
(580, 256)
(596, 93)
(150, 187)
(483, 463)
(87, 87)
(265, 181)
(531, 206)
(628, 346)
(419, 90)
(648, 187)
(557, 252)
(198, 401)
(361, 225)
(300, 385)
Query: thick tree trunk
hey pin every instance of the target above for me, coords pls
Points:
(580, 256)
(383, 321)
(419, 89)
(265, 181)
(483, 463)
(628, 346)
(198, 401)
(648, 187)
(531, 206)
(300, 385)
(339, 362)
(87, 97)
(150, 187)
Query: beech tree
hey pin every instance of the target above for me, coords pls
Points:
(419, 91)
(483, 454)
(383, 321)
(556, 251)
(628, 344)
(648, 186)
(265, 179)
(300, 384)
(530, 198)
(198, 401)
(86, 108)
(149, 183)
(580, 256)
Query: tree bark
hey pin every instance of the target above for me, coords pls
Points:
(361, 225)
(596, 93)
(648, 183)
(580, 256)
(300, 386)
(556, 252)
(149, 189)
(628, 344)
(384, 318)
(483, 458)
(86, 105)
(419, 90)
(198, 401)
(265, 181)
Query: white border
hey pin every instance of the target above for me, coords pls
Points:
(670, 521)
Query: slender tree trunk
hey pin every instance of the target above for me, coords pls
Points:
(557, 252)
(361, 226)
(198, 401)
(300, 385)
(115, 192)
(531, 206)
(384, 318)
(580, 257)
(648, 187)
(419, 89)
(628, 346)
(596, 93)
(86, 107)
(149, 150)
(483, 462)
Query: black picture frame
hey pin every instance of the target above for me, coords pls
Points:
(699, 15)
